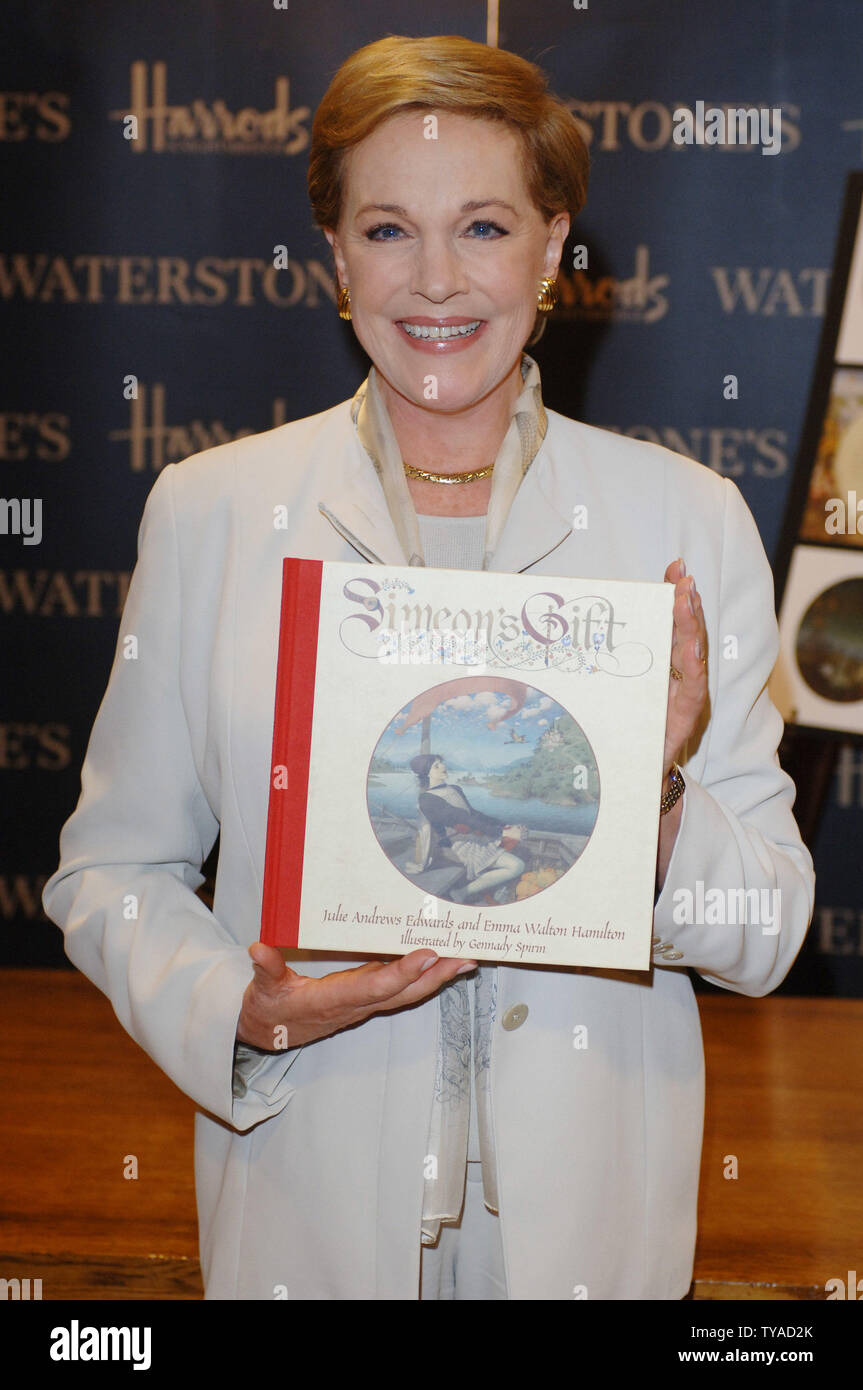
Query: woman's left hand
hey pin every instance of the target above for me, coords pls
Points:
(687, 696)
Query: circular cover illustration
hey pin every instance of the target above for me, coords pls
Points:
(483, 790)
(829, 648)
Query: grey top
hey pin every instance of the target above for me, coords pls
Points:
(452, 542)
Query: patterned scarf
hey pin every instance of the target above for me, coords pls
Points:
(520, 444)
(466, 1014)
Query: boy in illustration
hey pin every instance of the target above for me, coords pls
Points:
(481, 843)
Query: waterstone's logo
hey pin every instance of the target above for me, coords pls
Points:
(762, 452)
(210, 281)
(198, 127)
(36, 115)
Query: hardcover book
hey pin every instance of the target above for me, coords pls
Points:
(467, 761)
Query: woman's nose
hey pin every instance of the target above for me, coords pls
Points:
(438, 272)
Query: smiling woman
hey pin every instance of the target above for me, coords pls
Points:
(445, 284)
(443, 300)
(421, 1127)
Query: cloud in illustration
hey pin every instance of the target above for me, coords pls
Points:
(430, 701)
(532, 710)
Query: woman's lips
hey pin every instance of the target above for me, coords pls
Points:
(436, 345)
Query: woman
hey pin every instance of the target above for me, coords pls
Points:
(445, 179)
(477, 841)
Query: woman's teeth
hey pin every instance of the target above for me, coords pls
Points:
(463, 330)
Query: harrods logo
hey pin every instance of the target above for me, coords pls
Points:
(153, 442)
(639, 298)
(199, 127)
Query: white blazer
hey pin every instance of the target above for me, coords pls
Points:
(313, 1180)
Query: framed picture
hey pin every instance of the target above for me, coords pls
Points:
(818, 680)
(820, 664)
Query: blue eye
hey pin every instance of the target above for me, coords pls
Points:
(372, 233)
(496, 230)
(483, 230)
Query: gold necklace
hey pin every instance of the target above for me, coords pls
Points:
(468, 477)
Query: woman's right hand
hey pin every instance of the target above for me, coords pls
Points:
(279, 999)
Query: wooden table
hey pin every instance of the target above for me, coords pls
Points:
(784, 1088)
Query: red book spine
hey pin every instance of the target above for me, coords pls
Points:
(292, 738)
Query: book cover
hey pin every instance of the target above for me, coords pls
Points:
(467, 761)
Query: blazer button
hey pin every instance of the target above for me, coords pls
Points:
(514, 1017)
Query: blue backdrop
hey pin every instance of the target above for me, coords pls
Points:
(153, 260)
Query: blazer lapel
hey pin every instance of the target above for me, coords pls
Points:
(359, 512)
(538, 521)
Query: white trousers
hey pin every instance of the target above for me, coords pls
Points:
(467, 1261)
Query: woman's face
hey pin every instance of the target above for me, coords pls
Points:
(437, 772)
(441, 233)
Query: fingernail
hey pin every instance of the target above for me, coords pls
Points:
(691, 602)
(426, 965)
(468, 965)
(681, 562)
(698, 648)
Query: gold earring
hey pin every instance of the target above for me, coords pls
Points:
(547, 296)
(344, 304)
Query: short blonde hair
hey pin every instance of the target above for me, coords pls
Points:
(448, 73)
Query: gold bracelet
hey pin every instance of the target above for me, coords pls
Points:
(675, 791)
